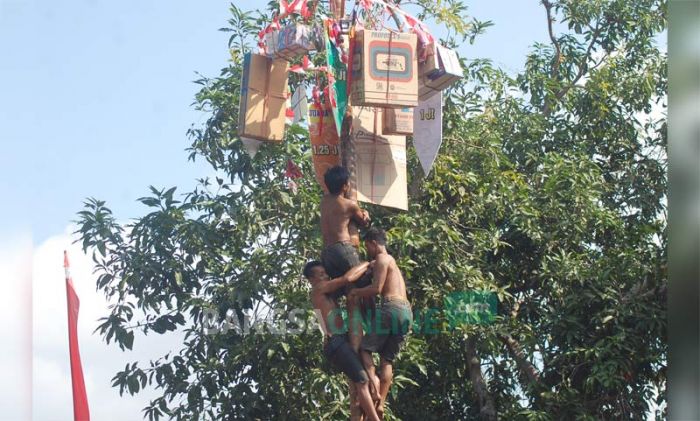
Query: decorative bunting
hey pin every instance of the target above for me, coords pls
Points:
(337, 84)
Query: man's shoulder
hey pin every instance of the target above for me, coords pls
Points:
(384, 258)
(339, 204)
(340, 199)
(316, 293)
(330, 200)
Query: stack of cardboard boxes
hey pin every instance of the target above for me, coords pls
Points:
(384, 76)
(386, 84)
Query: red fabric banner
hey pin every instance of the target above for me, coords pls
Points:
(81, 411)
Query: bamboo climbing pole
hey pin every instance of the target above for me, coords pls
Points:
(348, 160)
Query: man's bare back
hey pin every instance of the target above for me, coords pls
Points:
(336, 214)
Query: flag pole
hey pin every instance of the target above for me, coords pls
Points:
(81, 410)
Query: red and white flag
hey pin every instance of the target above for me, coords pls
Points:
(81, 411)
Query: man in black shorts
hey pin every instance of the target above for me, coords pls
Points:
(336, 347)
(339, 253)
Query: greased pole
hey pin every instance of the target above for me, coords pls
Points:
(347, 146)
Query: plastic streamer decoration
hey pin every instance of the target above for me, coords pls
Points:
(337, 74)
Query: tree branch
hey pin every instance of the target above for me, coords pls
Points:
(529, 371)
(414, 188)
(583, 66)
(487, 410)
(556, 61)
(642, 291)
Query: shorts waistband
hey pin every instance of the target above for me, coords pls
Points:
(339, 243)
(394, 300)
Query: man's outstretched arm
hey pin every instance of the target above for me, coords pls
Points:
(350, 276)
(381, 269)
(356, 272)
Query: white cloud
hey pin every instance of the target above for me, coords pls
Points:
(15, 328)
(51, 378)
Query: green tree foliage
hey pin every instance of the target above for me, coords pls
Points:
(549, 190)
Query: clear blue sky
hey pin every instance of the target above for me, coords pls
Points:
(96, 97)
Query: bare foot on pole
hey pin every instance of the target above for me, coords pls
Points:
(380, 409)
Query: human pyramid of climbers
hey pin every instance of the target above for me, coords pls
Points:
(340, 272)
(375, 86)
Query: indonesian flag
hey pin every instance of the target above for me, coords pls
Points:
(81, 411)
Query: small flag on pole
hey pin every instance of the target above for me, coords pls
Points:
(81, 411)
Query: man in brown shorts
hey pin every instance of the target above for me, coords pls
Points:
(392, 319)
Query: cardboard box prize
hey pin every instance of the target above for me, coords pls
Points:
(384, 69)
(380, 160)
(294, 40)
(263, 100)
(398, 121)
(441, 70)
(325, 143)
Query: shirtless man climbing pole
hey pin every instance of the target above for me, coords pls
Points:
(336, 347)
(339, 254)
(393, 318)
